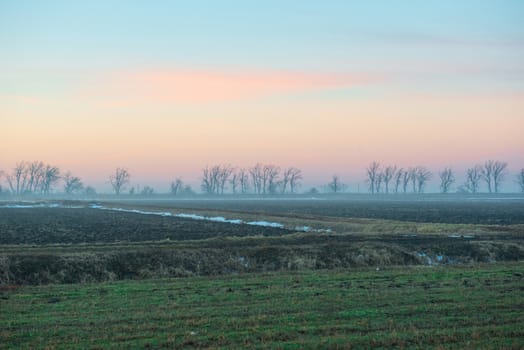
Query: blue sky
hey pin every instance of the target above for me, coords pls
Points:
(281, 34)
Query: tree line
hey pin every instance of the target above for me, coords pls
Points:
(387, 179)
(259, 179)
(40, 178)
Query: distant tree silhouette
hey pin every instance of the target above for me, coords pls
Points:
(413, 178)
(406, 178)
(264, 178)
(32, 177)
(373, 176)
(243, 180)
(224, 174)
(493, 173)
(15, 179)
(37, 177)
(398, 179)
(35, 173)
(72, 184)
(176, 186)
(51, 177)
(422, 176)
(119, 180)
(336, 184)
(270, 178)
(291, 178)
(520, 179)
(234, 181)
(387, 175)
(447, 178)
(473, 177)
(215, 178)
(256, 177)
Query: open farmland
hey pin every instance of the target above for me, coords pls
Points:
(179, 274)
(503, 209)
(74, 242)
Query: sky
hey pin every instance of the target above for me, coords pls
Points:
(165, 88)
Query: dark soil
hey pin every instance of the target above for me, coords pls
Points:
(460, 211)
(61, 225)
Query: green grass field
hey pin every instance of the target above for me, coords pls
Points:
(420, 307)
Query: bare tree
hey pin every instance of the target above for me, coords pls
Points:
(387, 175)
(51, 177)
(473, 177)
(243, 180)
(270, 176)
(72, 184)
(35, 176)
(215, 178)
(423, 175)
(336, 185)
(265, 178)
(2, 191)
(398, 179)
(207, 184)
(373, 173)
(284, 182)
(119, 179)
(493, 173)
(487, 175)
(499, 173)
(295, 180)
(16, 179)
(210, 179)
(378, 182)
(176, 186)
(447, 178)
(291, 177)
(225, 172)
(413, 177)
(234, 181)
(256, 177)
(406, 177)
(520, 179)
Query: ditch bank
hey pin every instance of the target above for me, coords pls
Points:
(223, 258)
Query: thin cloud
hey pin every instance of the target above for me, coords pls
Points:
(201, 86)
(395, 38)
